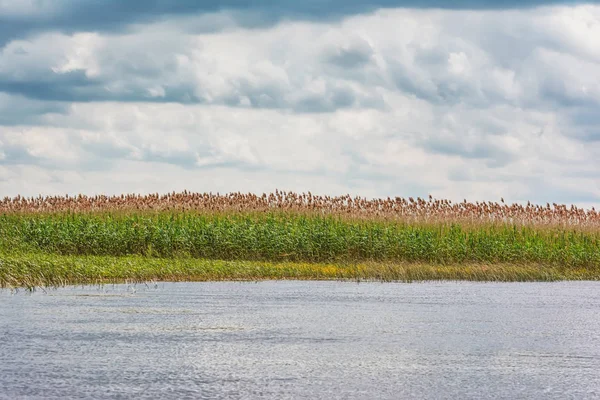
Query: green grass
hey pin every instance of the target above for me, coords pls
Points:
(39, 270)
(295, 237)
(85, 248)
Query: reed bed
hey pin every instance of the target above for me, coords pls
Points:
(191, 236)
(295, 237)
(397, 208)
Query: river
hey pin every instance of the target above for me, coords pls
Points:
(303, 340)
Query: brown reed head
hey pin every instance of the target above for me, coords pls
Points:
(430, 209)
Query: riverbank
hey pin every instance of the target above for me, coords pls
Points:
(32, 270)
(242, 239)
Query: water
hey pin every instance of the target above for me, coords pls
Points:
(303, 340)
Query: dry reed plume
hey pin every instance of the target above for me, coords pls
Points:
(410, 209)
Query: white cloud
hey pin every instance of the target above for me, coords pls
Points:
(476, 104)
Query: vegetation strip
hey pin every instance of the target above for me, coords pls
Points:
(187, 236)
(299, 238)
(43, 270)
(397, 208)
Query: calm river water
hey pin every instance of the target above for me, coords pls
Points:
(303, 340)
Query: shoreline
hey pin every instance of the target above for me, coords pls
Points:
(38, 250)
(31, 270)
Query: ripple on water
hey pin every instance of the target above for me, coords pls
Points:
(303, 340)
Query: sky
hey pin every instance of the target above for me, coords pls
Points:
(464, 99)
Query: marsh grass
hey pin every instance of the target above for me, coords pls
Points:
(294, 237)
(56, 241)
(49, 270)
(397, 208)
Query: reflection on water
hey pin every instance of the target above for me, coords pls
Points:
(307, 340)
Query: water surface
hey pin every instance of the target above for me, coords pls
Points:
(303, 340)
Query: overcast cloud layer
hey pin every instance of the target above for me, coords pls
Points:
(372, 99)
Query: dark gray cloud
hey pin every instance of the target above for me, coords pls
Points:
(335, 98)
(80, 89)
(438, 89)
(583, 123)
(356, 55)
(110, 15)
(18, 110)
(69, 86)
(119, 70)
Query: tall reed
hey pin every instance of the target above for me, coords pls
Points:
(398, 208)
(296, 237)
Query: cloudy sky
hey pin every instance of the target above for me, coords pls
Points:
(479, 100)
